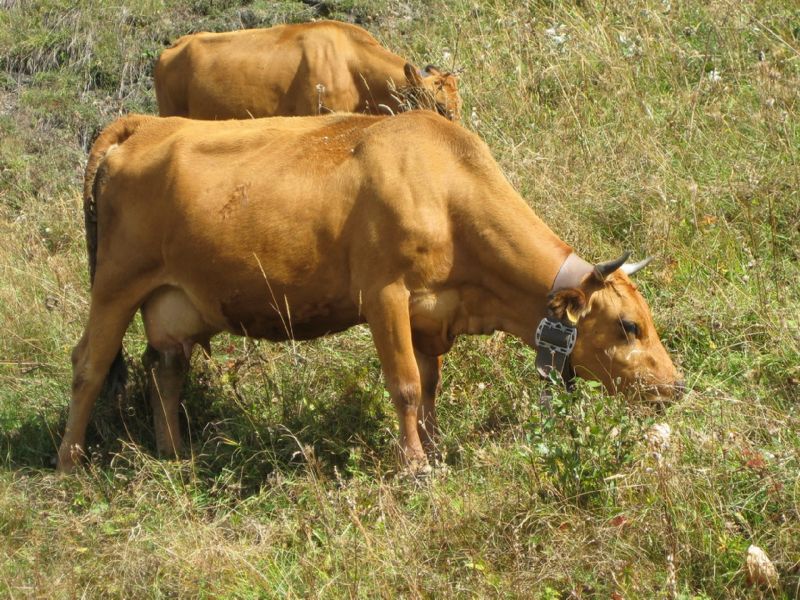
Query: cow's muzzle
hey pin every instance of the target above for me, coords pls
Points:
(661, 392)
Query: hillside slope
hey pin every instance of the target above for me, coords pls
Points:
(666, 128)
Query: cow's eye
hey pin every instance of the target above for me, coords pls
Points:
(630, 328)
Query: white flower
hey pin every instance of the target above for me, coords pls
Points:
(555, 35)
(658, 437)
(760, 570)
(476, 122)
(629, 47)
(714, 76)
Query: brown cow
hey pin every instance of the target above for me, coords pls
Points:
(291, 70)
(299, 227)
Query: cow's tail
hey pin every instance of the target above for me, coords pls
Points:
(112, 136)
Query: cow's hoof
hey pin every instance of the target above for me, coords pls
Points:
(424, 471)
(416, 469)
(69, 456)
(64, 467)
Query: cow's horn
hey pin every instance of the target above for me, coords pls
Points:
(636, 267)
(605, 269)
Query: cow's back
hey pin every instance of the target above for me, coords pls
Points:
(286, 70)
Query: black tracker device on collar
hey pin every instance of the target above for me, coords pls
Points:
(554, 344)
(555, 340)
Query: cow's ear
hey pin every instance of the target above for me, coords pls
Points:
(567, 305)
(433, 70)
(412, 75)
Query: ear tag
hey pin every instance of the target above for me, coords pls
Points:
(572, 317)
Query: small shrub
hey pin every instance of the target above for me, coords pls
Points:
(584, 437)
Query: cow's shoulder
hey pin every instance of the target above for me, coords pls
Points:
(419, 131)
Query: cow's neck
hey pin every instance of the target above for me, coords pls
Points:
(519, 257)
(379, 66)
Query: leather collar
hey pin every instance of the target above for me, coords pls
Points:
(571, 273)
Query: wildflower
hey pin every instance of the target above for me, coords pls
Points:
(476, 121)
(714, 76)
(658, 437)
(760, 570)
(555, 35)
(629, 47)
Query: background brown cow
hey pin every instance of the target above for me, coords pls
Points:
(302, 69)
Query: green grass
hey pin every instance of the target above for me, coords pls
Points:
(667, 128)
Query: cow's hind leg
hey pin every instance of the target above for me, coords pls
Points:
(389, 320)
(91, 360)
(166, 372)
(430, 370)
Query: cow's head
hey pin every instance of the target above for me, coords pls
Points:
(617, 342)
(439, 90)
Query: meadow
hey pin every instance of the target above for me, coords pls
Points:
(666, 127)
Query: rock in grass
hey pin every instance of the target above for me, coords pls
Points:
(760, 570)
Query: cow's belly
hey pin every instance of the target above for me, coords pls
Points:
(288, 316)
(173, 321)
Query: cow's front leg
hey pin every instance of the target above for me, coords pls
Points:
(166, 372)
(389, 320)
(430, 373)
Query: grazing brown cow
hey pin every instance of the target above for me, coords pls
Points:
(300, 227)
(292, 70)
